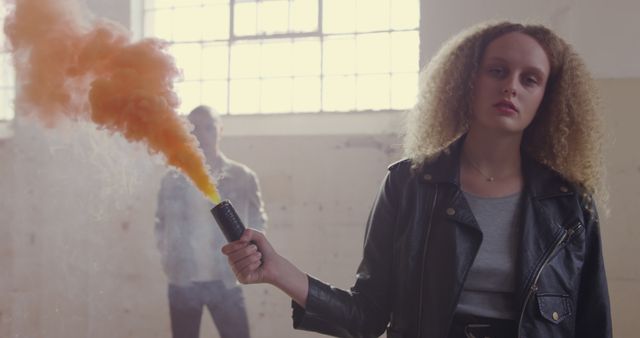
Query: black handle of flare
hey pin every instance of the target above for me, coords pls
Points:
(228, 220)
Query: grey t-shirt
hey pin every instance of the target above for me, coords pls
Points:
(490, 285)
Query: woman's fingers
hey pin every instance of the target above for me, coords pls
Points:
(251, 272)
(232, 247)
(244, 261)
(241, 253)
(247, 269)
(250, 257)
(257, 237)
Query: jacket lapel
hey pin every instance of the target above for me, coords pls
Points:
(547, 199)
(455, 228)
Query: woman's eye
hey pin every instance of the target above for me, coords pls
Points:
(496, 71)
(531, 81)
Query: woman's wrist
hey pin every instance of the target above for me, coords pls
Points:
(291, 280)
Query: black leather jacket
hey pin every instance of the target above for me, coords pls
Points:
(422, 238)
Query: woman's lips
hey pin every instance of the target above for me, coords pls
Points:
(506, 107)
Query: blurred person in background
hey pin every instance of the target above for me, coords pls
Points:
(189, 240)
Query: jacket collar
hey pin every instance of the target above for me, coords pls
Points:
(444, 166)
(540, 180)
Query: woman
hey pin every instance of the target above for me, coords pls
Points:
(488, 228)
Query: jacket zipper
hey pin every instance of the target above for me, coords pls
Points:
(534, 285)
(424, 259)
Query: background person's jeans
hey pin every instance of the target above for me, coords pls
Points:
(226, 307)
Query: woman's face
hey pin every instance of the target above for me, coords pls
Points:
(509, 84)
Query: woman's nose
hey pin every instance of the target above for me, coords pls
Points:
(509, 91)
(509, 88)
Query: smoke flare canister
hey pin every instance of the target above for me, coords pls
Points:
(228, 220)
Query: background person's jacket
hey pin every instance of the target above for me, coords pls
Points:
(422, 238)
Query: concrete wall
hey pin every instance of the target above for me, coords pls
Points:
(620, 230)
(80, 254)
(605, 33)
(76, 242)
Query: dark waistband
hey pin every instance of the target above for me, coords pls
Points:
(469, 326)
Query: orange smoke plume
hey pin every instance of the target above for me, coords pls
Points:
(68, 66)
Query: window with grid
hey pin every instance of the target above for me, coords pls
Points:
(281, 56)
(7, 76)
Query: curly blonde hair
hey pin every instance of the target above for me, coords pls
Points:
(566, 133)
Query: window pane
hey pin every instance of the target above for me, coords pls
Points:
(273, 17)
(373, 15)
(373, 92)
(306, 94)
(304, 16)
(306, 57)
(404, 90)
(159, 24)
(276, 95)
(405, 49)
(405, 14)
(214, 94)
(188, 59)
(338, 16)
(339, 55)
(189, 95)
(276, 58)
(215, 61)
(215, 23)
(245, 18)
(339, 93)
(245, 60)
(245, 96)
(373, 53)
(188, 23)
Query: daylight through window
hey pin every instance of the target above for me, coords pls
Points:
(281, 56)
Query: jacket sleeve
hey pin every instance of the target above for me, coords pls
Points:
(364, 310)
(593, 318)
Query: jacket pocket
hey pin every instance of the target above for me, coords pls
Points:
(554, 307)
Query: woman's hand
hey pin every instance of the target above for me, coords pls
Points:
(252, 258)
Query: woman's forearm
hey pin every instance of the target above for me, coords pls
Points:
(292, 281)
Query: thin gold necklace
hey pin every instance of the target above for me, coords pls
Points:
(487, 177)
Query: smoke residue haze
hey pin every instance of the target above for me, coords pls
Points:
(70, 65)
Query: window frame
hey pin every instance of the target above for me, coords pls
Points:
(318, 33)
